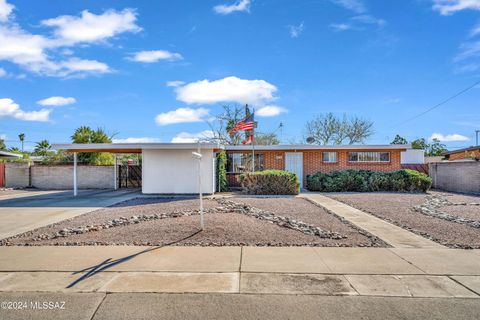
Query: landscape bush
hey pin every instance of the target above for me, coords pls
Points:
(270, 182)
(365, 181)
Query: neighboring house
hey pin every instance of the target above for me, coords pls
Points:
(171, 167)
(463, 154)
(309, 159)
(9, 155)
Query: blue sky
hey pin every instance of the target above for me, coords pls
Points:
(157, 70)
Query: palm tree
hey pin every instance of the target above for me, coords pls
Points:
(82, 134)
(85, 134)
(21, 136)
(42, 148)
(14, 150)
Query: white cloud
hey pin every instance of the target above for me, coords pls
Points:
(8, 108)
(3, 73)
(356, 6)
(341, 26)
(240, 6)
(296, 31)
(56, 101)
(229, 89)
(186, 137)
(3, 136)
(361, 18)
(44, 55)
(181, 115)
(82, 66)
(448, 7)
(136, 140)
(155, 56)
(175, 83)
(270, 111)
(448, 137)
(369, 19)
(90, 27)
(5, 10)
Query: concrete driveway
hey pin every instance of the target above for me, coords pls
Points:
(25, 210)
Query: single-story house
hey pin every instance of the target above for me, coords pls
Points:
(463, 154)
(309, 159)
(171, 167)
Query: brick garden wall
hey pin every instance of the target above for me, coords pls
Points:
(17, 175)
(22, 175)
(61, 177)
(456, 176)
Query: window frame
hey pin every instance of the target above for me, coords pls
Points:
(259, 161)
(371, 154)
(329, 152)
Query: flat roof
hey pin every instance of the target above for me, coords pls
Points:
(5, 154)
(321, 147)
(472, 148)
(131, 147)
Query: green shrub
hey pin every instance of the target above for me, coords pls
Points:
(365, 180)
(270, 182)
(222, 172)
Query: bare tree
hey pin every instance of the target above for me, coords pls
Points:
(266, 139)
(223, 123)
(330, 129)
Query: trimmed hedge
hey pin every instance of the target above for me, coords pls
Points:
(365, 180)
(270, 182)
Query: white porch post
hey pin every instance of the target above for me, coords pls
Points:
(75, 174)
(200, 186)
(115, 184)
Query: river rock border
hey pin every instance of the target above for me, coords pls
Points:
(225, 206)
(433, 203)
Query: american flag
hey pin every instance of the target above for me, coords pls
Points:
(245, 124)
(248, 140)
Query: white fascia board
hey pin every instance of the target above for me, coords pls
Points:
(322, 147)
(126, 146)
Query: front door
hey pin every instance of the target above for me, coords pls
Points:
(294, 164)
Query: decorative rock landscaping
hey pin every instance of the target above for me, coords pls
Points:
(434, 203)
(225, 207)
(228, 222)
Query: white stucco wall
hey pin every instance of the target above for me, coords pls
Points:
(175, 171)
(412, 156)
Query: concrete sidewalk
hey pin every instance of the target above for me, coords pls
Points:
(22, 212)
(254, 270)
(119, 306)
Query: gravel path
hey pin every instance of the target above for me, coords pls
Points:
(402, 209)
(223, 227)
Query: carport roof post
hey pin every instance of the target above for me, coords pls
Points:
(132, 147)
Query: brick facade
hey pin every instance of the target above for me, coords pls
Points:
(312, 162)
(464, 154)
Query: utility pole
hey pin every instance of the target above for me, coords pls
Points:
(476, 137)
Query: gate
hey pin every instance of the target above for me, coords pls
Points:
(2, 175)
(129, 176)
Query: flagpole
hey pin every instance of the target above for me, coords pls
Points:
(253, 144)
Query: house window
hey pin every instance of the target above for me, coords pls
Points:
(329, 156)
(369, 156)
(242, 162)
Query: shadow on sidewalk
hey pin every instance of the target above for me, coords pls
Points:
(91, 271)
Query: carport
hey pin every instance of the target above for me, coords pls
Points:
(168, 168)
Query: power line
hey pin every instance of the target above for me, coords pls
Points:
(440, 104)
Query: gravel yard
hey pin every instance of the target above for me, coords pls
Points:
(230, 221)
(447, 218)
